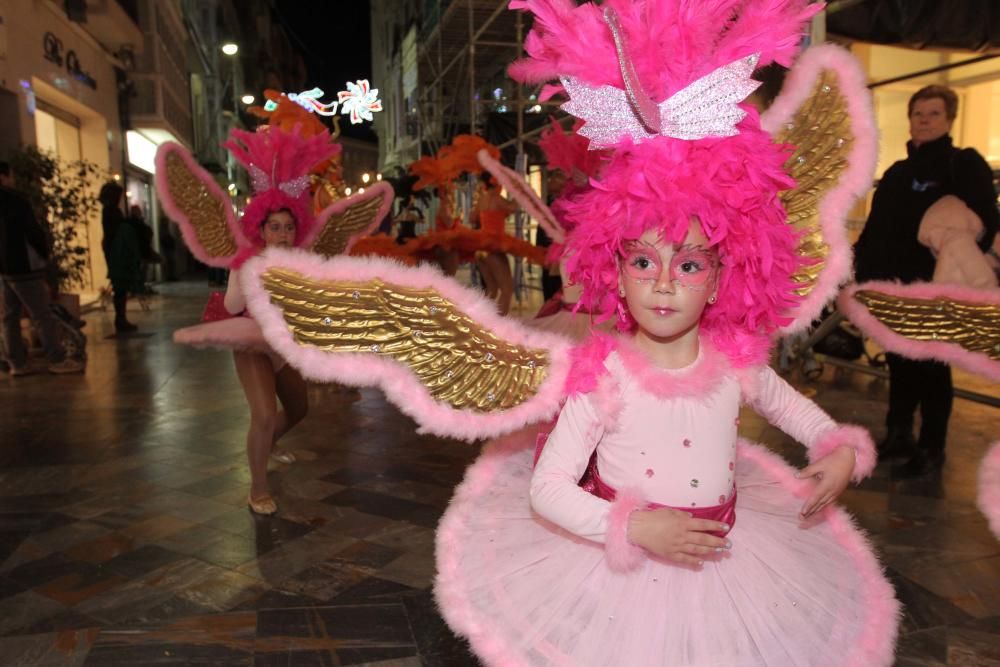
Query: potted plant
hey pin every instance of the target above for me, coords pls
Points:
(63, 195)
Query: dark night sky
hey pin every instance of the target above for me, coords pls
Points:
(335, 39)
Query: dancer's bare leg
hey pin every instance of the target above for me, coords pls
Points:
(256, 374)
(294, 396)
(448, 259)
(500, 269)
(486, 271)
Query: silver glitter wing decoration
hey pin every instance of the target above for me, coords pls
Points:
(705, 108)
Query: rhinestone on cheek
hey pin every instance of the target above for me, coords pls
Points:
(687, 443)
(649, 472)
(694, 484)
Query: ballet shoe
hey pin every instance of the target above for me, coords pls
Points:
(283, 456)
(264, 506)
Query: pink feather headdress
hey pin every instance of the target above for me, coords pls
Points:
(279, 164)
(666, 169)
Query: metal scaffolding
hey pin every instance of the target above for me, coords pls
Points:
(466, 45)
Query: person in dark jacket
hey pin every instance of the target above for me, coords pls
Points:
(888, 249)
(24, 254)
(122, 247)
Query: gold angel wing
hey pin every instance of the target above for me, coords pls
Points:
(345, 221)
(439, 350)
(824, 111)
(193, 199)
(930, 321)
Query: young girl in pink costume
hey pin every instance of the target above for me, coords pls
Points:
(280, 214)
(645, 531)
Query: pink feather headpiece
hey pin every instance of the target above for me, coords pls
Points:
(279, 164)
(660, 83)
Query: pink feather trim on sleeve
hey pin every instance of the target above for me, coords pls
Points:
(848, 435)
(622, 555)
(978, 363)
(853, 183)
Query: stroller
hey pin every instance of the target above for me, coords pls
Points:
(74, 341)
(836, 340)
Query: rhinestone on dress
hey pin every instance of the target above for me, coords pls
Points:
(840, 142)
(801, 159)
(355, 295)
(327, 321)
(531, 363)
(490, 396)
(375, 347)
(433, 310)
(489, 356)
(826, 88)
(448, 373)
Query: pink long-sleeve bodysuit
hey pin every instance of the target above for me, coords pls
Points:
(675, 448)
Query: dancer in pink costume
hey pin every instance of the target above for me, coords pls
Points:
(644, 531)
(279, 215)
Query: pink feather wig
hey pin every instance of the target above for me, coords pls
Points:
(279, 163)
(729, 184)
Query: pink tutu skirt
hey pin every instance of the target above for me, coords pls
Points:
(789, 592)
(233, 333)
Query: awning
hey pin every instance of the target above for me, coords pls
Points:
(972, 25)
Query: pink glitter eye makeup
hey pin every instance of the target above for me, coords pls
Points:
(688, 267)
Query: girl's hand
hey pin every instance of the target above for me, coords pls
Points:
(676, 535)
(832, 473)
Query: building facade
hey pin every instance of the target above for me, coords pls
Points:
(59, 88)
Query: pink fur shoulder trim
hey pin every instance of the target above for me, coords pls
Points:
(699, 379)
(978, 363)
(877, 643)
(587, 364)
(853, 183)
(988, 493)
(382, 189)
(622, 555)
(399, 383)
(180, 216)
(848, 435)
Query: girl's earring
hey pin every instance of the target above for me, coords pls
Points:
(711, 299)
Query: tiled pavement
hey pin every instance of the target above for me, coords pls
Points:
(125, 538)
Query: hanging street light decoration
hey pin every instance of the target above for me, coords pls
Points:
(308, 100)
(359, 101)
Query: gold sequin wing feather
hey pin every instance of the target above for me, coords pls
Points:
(824, 113)
(192, 199)
(439, 350)
(949, 323)
(341, 224)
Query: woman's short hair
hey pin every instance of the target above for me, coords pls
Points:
(944, 93)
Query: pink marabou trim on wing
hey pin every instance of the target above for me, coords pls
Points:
(383, 190)
(848, 435)
(622, 555)
(178, 215)
(952, 353)
(234, 333)
(400, 385)
(876, 646)
(520, 190)
(988, 493)
(697, 380)
(853, 183)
